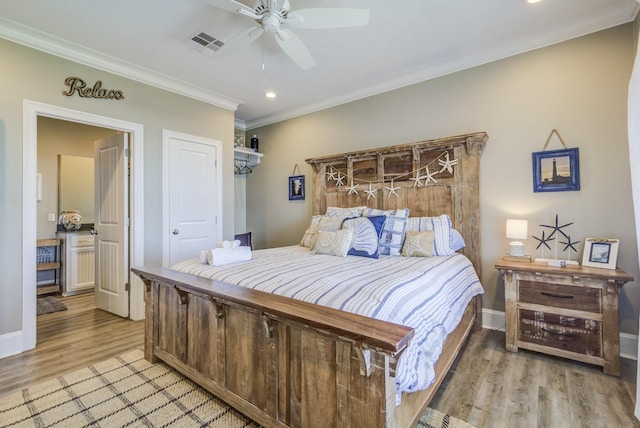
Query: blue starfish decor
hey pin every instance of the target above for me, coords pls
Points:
(557, 228)
(543, 241)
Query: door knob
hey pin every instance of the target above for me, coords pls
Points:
(175, 231)
(94, 232)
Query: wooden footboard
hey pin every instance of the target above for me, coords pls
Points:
(279, 361)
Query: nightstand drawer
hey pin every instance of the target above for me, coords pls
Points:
(582, 336)
(560, 296)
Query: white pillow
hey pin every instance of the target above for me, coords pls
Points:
(344, 212)
(336, 243)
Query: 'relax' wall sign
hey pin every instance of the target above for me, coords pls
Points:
(78, 86)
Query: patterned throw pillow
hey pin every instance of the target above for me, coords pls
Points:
(366, 235)
(333, 243)
(320, 222)
(441, 225)
(418, 244)
(392, 235)
(344, 212)
(309, 237)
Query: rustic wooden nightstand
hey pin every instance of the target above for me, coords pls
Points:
(569, 312)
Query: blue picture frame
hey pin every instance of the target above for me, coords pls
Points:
(556, 170)
(296, 188)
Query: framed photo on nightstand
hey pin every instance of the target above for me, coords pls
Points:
(600, 253)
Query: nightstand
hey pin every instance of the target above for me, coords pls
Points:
(570, 312)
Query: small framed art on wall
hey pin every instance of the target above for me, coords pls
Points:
(296, 188)
(556, 170)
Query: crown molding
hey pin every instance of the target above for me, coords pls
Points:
(412, 77)
(43, 42)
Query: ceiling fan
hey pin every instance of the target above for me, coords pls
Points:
(274, 16)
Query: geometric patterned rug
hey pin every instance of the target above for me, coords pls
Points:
(128, 391)
(49, 304)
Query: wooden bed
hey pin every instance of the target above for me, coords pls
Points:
(287, 363)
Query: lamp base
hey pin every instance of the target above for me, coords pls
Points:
(516, 249)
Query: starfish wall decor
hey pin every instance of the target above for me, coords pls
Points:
(420, 177)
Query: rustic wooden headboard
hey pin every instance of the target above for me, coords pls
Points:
(395, 177)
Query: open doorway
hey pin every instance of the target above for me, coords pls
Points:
(71, 167)
(32, 112)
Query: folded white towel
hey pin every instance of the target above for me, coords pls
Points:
(236, 243)
(202, 256)
(224, 244)
(223, 256)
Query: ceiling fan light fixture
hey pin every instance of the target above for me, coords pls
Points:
(272, 16)
(271, 23)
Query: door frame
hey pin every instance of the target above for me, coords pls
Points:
(167, 135)
(31, 111)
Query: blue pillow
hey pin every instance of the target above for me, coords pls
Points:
(392, 235)
(366, 235)
(456, 241)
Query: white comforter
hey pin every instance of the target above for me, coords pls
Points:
(428, 294)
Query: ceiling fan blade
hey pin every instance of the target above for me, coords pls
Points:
(239, 41)
(232, 6)
(320, 18)
(295, 49)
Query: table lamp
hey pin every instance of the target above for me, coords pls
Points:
(516, 229)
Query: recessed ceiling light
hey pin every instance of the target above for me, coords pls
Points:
(270, 94)
(533, 1)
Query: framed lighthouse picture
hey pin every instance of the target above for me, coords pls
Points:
(556, 170)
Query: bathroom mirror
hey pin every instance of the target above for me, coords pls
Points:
(75, 186)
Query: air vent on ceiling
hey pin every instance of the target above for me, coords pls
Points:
(206, 42)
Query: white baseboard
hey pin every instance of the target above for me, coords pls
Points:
(10, 344)
(494, 320)
(629, 346)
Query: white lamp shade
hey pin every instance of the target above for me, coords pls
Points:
(517, 229)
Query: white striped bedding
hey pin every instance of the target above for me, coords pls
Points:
(426, 293)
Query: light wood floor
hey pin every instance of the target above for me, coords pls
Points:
(488, 386)
(69, 340)
(491, 387)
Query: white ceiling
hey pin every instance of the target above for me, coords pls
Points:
(406, 41)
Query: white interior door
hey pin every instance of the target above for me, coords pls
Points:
(192, 198)
(112, 224)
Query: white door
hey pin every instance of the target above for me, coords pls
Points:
(112, 224)
(192, 198)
